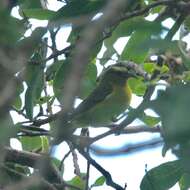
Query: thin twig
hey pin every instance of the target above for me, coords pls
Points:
(57, 53)
(105, 173)
(122, 18)
(128, 130)
(175, 27)
(20, 112)
(125, 149)
(87, 175)
(147, 9)
(62, 161)
(85, 132)
(75, 160)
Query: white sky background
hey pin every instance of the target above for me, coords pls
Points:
(126, 168)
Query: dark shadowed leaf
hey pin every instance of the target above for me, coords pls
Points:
(40, 14)
(27, 4)
(162, 177)
(8, 36)
(184, 182)
(35, 82)
(172, 106)
(134, 50)
(79, 8)
(87, 85)
(17, 103)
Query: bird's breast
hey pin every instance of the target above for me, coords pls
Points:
(112, 106)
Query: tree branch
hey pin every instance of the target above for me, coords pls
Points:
(126, 149)
(105, 173)
(57, 53)
(33, 160)
(179, 5)
(147, 9)
(128, 130)
(175, 27)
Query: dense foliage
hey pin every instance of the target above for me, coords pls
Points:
(40, 84)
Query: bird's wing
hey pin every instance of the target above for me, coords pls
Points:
(99, 94)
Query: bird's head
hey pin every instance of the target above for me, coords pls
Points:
(117, 73)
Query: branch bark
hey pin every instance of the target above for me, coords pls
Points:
(34, 160)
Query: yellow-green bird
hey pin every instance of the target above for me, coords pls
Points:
(111, 97)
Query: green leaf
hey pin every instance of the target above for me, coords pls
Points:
(45, 144)
(75, 35)
(87, 85)
(18, 101)
(164, 69)
(28, 4)
(162, 177)
(78, 182)
(11, 30)
(89, 80)
(184, 182)
(35, 85)
(30, 45)
(22, 169)
(99, 182)
(59, 79)
(57, 163)
(40, 14)
(161, 45)
(186, 76)
(7, 129)
(44, 99)
(29, 103)
(31, 143)
(172, 105)
(137, 86)
(110, 51)
(157, 9)
(132, 51)
(78, 8)
(150, 120)
(187, 22)
(124, 29)
(149, 67)
(138, 47)
(52, 69)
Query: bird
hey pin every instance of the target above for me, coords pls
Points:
(110, 98)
